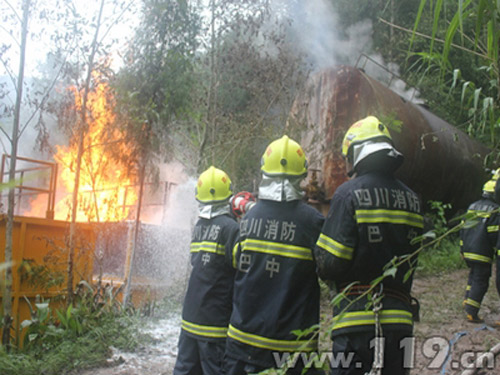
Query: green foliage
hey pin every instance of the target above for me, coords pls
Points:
(444, 254)
(392, 122)
(70, 352)
(40, 275)
(306, 332)
(208, 93)
(155, 88)
(69, 321)
(57, 341)
(441, 259)
(437, 216)
(253, 71)
(466, 63)
(41, 331)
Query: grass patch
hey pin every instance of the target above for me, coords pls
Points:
(443, 257)
(68, 340)
(69, 351)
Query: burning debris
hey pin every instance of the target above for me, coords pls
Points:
(156, 259)
(107, 190)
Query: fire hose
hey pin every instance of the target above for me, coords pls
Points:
(479, 363)
(378, 356)
(241, 203)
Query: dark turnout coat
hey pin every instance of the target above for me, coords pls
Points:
(276, 287)
(208, 301)
(478, 240)
(372, 219)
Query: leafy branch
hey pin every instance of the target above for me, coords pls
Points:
(427, 240)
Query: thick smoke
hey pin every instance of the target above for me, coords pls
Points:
(316, 30)
(318, 35)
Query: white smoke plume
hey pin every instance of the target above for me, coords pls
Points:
(318, 35)
(316, 29)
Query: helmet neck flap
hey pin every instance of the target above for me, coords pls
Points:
(280, 188)
(209, 211)
(364, 151)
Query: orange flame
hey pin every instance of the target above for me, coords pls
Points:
(106, 192)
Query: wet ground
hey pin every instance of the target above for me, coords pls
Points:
(445, 342)
(157, 358)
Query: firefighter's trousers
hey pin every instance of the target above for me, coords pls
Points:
(199, 357)
(233, 366)
(479, 277)
(352, 353)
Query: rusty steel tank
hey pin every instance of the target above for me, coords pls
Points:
(441, 162)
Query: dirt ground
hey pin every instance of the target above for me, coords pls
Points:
(444, 342)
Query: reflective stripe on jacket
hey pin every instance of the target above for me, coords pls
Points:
(276, 285)
(372, 219)
(479, 236)
(208, 302)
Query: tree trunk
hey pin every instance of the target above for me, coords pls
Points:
(131, 255)
(209, 132)
(81, 134)
(391, 30)
(7, 298)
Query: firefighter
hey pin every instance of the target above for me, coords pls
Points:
(208, 301)
(477, 246)
(276, 287)
(373, 218)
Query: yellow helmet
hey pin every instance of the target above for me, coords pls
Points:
(489, 186)
(496, 174)
(214, 185)
(284, 157)
(369, 128)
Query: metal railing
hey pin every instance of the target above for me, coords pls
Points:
(31, 167)
(22, 190)
(364, 59)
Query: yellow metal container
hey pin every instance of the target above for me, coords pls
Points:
(40, 257)
(103, 258)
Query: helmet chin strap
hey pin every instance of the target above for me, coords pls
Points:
(349, 170)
